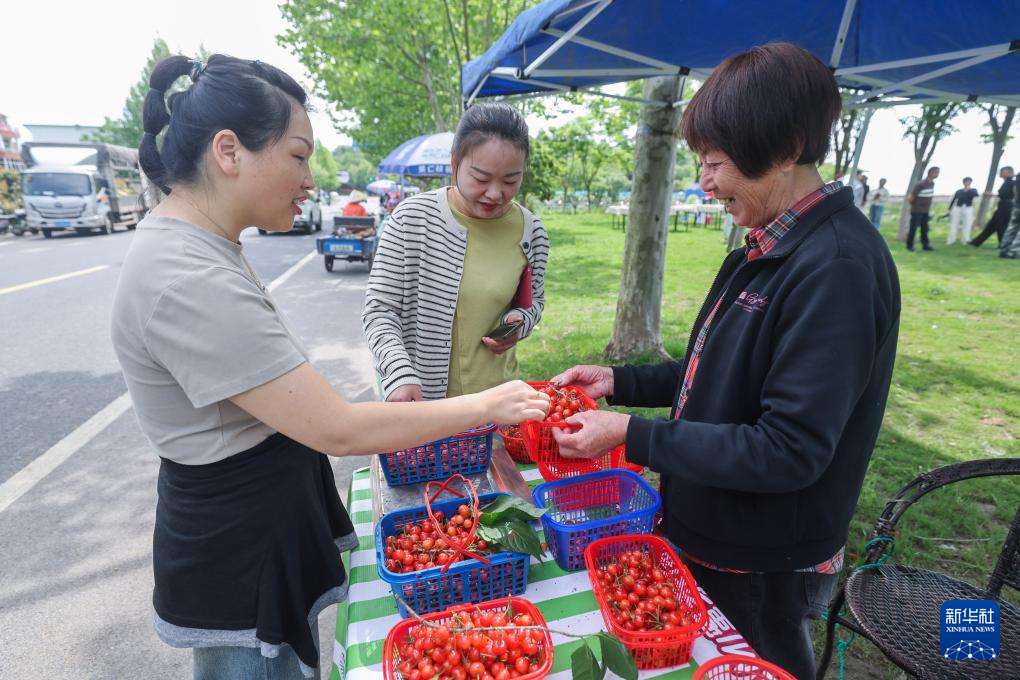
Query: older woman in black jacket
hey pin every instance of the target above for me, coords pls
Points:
(776, 406)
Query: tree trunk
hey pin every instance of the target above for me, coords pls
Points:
(637, 329)
(437, 112)
(1000, 134)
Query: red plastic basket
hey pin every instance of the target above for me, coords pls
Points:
(659, 648)
(735, 667)
(545, 452)
(514, 444)
(401, 633)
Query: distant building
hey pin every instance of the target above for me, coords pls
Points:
(61, 134)
(10, 157)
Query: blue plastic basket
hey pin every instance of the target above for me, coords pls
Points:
(582, 509)
(430, 590)
(466, 453)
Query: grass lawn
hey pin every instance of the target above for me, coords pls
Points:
(955, 394)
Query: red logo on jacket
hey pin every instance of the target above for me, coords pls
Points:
(751, 302)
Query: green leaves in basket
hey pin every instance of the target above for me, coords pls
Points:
(514, 535)
(509, 507)
(584, 665)
(615, 657)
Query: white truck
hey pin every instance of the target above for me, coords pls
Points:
(101, 189)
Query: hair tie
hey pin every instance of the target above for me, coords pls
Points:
(157, 90)
(197, 68)
(148, 134)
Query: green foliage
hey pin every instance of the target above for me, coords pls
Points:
(543, 172)
(615, 657)
(585, 151)
(509, 507)
(505, 522)
(356, 164)
(127, 130)
(324, 167)
(926, 130)
(395, 64)
(9, 200)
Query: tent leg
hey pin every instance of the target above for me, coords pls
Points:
(852, 174)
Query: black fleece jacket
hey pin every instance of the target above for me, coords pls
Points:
(763, 470)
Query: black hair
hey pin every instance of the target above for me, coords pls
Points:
(764, 106)
(968, 179)
(250, 98)
(483, 122)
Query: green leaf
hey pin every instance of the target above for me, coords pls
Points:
(584, 665)
(521, 537)
(490, 534)
(507, 508)
(617, 657)
(514, 535)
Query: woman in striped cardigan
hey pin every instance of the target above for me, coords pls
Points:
(454, 263)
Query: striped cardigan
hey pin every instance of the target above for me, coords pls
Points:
(412, 291)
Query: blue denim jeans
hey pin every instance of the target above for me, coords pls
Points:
(244, 663)
(876, 215)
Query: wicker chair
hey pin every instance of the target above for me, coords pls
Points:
(898, 607)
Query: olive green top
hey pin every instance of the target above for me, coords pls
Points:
(492, 270)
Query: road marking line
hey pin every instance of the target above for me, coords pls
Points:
(9, 243)
(52, 279)
(282, 278)
(30, 475)
(35, 250)
(27, 477)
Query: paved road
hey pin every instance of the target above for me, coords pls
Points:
(75, 577)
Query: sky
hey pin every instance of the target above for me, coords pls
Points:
(70, 71)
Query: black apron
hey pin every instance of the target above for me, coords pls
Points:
(248, 542)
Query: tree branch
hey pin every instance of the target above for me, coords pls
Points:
(453, 34)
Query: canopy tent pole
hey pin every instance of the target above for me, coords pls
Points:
(860, 145)
(951, 68)
(565, 38)
(998, 49)
(931, 96)
(844, 27)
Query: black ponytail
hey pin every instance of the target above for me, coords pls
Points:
(250, 98)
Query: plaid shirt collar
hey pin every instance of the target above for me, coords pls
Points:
(761, 240)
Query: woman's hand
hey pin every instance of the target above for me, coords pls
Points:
(512, 402)
(592, 433)
(595, 381)
(500, 346)
(406, 393)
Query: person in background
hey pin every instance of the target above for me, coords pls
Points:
(456, 263)
(860, 188)
(1010, 246)
(356, 204)
(961, 212)
(876, 203)
(920, 198)
(249, 527)
(777, 405)
(1000, 218)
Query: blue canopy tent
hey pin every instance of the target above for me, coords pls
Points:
(918, 52)
(921, 52)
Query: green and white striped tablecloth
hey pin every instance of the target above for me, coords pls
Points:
(564, 598)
